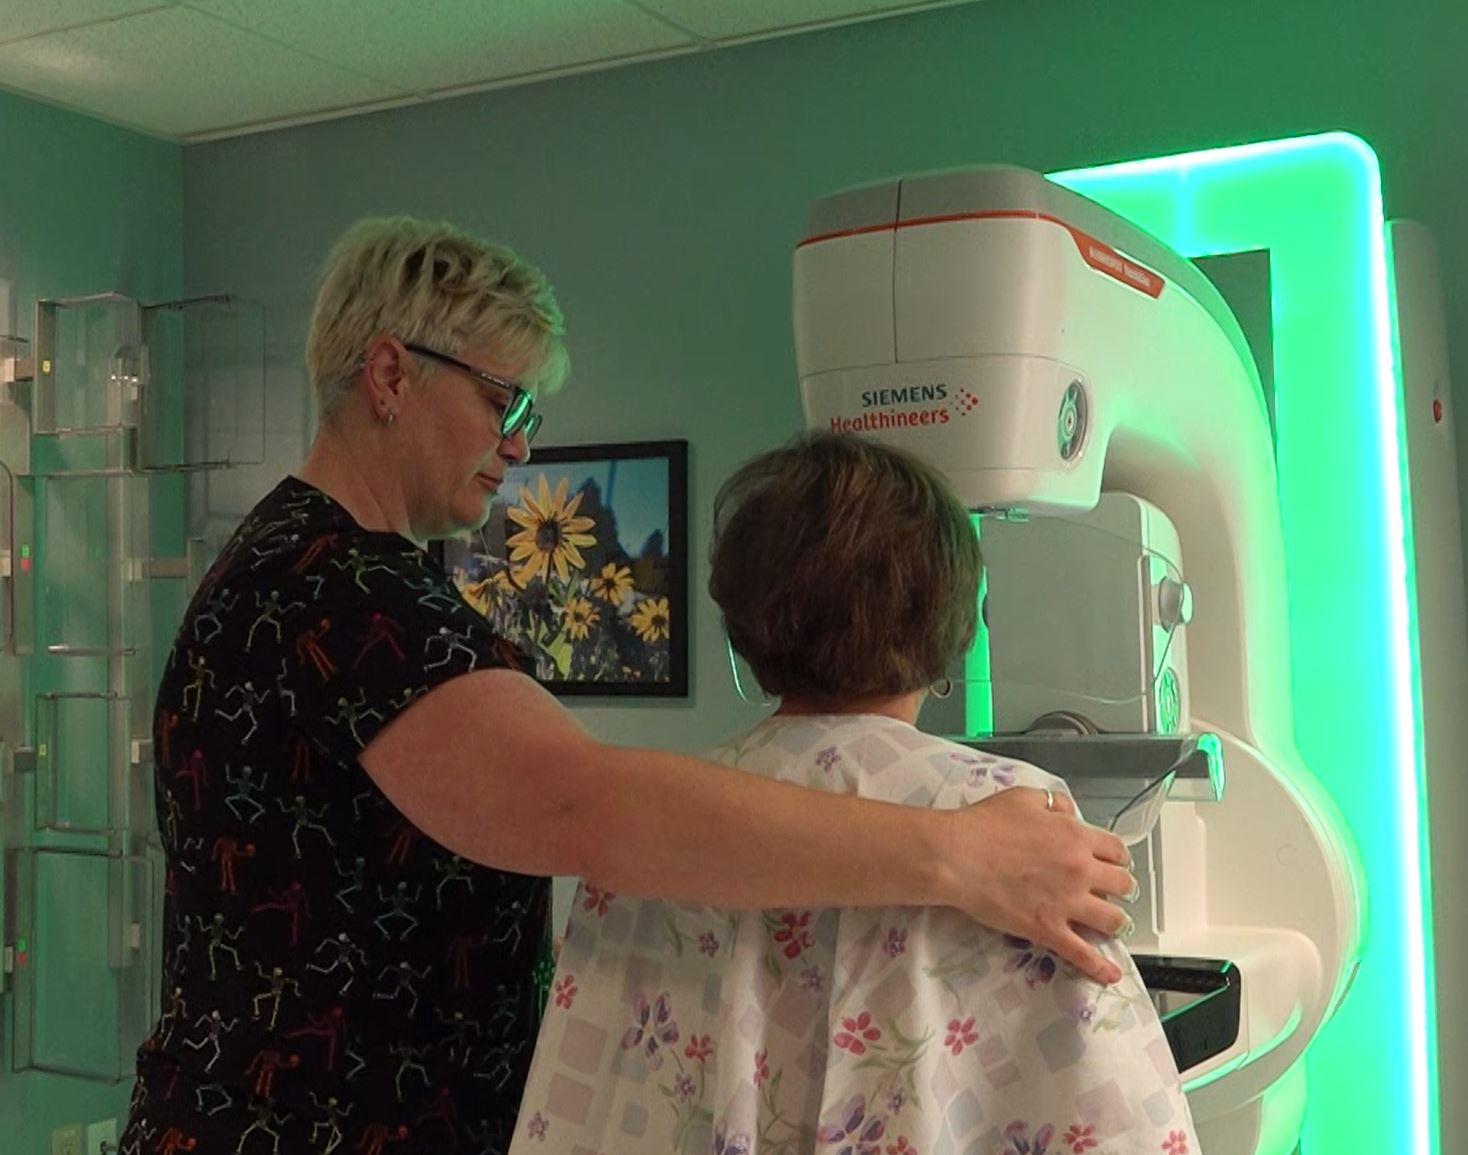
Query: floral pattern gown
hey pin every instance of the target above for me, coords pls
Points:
(881, 1031)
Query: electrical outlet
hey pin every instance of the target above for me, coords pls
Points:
(102, 1138)
(67, 1140)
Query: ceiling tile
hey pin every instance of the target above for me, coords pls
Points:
(453, 43)
(21, 18)
(175, 72)
(733, 19)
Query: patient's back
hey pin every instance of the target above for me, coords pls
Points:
(880, 1031)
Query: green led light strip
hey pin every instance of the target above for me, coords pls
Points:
(1315, 204)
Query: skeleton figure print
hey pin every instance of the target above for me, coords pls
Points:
(333, 979)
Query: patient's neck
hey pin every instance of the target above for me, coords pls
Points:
(903, 707)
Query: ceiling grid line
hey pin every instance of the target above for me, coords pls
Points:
(190, 71)
(110, 18)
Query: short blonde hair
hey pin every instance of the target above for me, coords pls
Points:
(435, 285)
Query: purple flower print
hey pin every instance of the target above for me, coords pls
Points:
(828, 758)
(985, 766)
(652, 1028)
(851, 1132)
(896, 943)
(1000, 775)
(812, 979)
(1017, 1135)
(1037, 963)
(537, 1126)
(737, 1143)
(684, 1086)
(708, 943)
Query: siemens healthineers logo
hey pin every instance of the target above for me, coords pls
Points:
(920, 405)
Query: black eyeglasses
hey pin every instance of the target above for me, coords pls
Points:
(516, 415)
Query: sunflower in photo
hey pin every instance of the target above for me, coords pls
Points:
(478, 594)
(551, 534)
(651, 619)
(611, 583)
(580, 616)
(485, 592)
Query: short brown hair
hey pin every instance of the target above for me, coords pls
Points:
(844, 569)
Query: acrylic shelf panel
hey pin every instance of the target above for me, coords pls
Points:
(204, 399)
(84, 764)
(90, 364)
(91, 551)
(85, 980)
(16, 566)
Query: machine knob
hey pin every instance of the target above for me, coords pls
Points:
(1169, 702)
(1174, 603)
(1062, 722)
(1070, 425)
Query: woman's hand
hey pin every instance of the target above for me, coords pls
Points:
(1041, 874)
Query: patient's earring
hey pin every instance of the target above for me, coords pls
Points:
(388, 417)
(941, 688)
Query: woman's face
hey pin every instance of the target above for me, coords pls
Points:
(459, 457)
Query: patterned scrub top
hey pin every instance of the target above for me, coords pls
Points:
(678, 1030)
(332, 978)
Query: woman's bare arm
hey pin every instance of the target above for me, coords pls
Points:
(495, 769)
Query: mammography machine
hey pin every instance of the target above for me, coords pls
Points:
(1054, 360)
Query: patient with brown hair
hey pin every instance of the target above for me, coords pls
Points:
(848, 575)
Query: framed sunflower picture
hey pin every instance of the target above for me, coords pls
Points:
(583, 564)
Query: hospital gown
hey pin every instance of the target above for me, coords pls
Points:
(882, 1031)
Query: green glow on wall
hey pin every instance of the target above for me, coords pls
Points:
(1315, 204)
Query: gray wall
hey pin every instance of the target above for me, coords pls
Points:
(83, 208)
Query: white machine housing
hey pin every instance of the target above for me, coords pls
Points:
(1040, 349)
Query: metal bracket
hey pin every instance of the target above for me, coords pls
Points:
(166, 567)
(13, 367)
(14, 370)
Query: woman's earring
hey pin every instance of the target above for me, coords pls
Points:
(942, 687)
(388, 417)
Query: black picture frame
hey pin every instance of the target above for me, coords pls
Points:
(589, 630)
